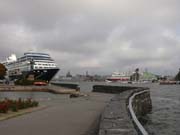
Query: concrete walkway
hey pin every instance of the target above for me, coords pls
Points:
(64, 116)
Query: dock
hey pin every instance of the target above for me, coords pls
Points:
(52, 88)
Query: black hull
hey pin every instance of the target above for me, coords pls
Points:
(40, 74)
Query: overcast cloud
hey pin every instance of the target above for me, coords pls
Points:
(100, 36)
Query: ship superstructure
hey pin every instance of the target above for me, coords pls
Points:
(33, 66)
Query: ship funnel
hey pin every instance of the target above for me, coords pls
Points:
(12, 58)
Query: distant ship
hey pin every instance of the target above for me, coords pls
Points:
(119, 77)
(32, 66)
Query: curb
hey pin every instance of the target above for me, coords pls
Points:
(22, 112)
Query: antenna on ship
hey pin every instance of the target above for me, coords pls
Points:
(30, 50)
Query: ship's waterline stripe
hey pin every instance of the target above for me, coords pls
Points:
(136, 121)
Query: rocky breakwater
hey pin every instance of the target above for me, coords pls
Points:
(122, 114)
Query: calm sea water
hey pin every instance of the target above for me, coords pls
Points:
(165, 116)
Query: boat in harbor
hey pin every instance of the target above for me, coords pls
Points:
(132, 77)
(32, 66)
(118, 77)
(168, 82)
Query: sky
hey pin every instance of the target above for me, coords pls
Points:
(98, 36)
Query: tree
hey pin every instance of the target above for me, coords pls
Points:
(177, 77)
(135, 76)
(2, 71)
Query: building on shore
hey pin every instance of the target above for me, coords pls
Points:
(147, 76)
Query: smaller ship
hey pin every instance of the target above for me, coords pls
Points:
(168, 82)
(119, 77)
(32, 66)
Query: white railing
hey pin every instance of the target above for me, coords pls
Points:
(136, 121)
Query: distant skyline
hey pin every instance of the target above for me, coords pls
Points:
(98, 36)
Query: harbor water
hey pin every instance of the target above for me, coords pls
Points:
(165, 116)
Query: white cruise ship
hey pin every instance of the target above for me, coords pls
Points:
(119, 77)
(33, 66)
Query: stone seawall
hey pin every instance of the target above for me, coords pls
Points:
(66, 85)
(111, 89)
(141, 104)
(117, 119)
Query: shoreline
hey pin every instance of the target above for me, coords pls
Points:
(51, 89)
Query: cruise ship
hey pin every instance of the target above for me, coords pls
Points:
(32, 66)
(119, 77)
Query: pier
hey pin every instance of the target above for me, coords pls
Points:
(121, 115)
(52, 89)
(108, 110)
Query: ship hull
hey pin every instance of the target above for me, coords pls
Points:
(118, 79)
(39, 74)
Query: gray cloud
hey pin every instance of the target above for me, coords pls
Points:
(95, 35)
